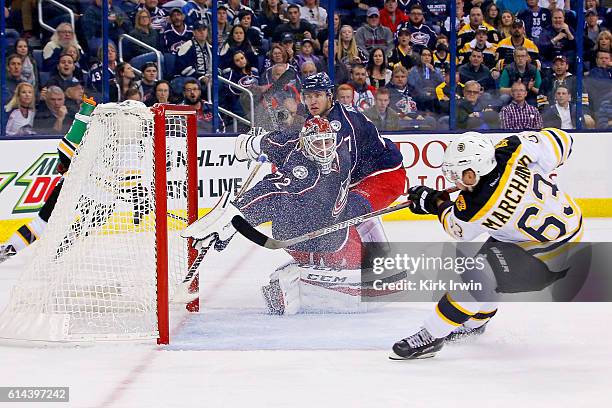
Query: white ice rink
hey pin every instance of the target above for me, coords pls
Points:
(234, 355)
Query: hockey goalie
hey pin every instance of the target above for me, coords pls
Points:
(337, 167)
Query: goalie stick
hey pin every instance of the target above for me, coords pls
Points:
(254, 235)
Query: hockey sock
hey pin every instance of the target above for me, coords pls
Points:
(27, 234)
(448, 315)
(486, 312)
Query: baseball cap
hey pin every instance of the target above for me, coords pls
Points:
(482, 28)
(373, 11)
(221, 5)
(590, 12)
(560, 57)
(174, 9)
(518, 22)
(199, 25)
(287, 37)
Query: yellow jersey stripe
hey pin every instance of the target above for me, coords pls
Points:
(500, 186)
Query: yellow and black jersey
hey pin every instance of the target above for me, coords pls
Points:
(489, 53)
(505, 51)
(517, 201)
(467, 34)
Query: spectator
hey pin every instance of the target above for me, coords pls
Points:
(159, 19)
(441, 56)
(363, 97)
(314, 14)
(20, 111)
(223, 26)
(391, 16)
(253, 33)
(51, 112)
(372, 34)
(506, 47)
(237, 41)
(125, 78)
(473, 111)
(240, 72)
(79, 70)
(558, 39)
(480, 43)
(192, 96)
(378, 73)
(599, 79)
(341, 73)
(118, 23)
(562, 115)
(149, 77)
(514, 6)
(475, 70)
(29, 69)
(133, 94)
(460, 20)
(349, 52)
(177, 33)
(443, 94)
(558, 77)
(537, 19)
(383, 117)
(592, 33)
(345, 94)
(468, 31)
(162, 93)
(26, 9)
(306, 54)
(270, 17)
(604, 114)
(234, 7)
(519, 115)
(493, 18)
(436, 12)
(603, 43)
(282, 68)
(404, 105)
(196, 12)
(423, 80)
(282, 82)
(143, 31)
(63, 76)
(307, 69)
(195, 56)
(504, 27)
(402, 54)
(276, 55)
(421, 35)
(521, 70)
(297, 26)
(324, 33)
(60, 40)
(95, 74)
(74, 97)
(14, 77)
(288, 44)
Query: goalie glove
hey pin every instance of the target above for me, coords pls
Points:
(423, 199)
(248, 145)
(216, 226)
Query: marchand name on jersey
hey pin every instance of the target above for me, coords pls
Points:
(513, 193)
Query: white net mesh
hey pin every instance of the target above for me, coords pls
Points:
(93, 273)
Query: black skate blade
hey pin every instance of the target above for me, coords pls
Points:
(396, 357)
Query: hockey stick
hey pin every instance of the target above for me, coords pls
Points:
(253, 235)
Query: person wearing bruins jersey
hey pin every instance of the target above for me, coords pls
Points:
(505, 192)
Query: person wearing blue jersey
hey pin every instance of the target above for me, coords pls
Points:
(333, 169)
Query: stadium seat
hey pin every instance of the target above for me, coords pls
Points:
(138, 61)
(38, 57)
(177, 85)
(169, 64)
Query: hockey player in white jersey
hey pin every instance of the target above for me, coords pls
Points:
(506, 192)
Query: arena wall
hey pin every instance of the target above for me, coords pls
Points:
(27, 172)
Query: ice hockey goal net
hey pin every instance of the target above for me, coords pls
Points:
(111, 254)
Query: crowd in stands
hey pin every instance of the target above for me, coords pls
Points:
(515, 68)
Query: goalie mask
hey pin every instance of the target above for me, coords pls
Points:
(319, 142)
(470, 151)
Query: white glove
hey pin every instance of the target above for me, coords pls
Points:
(248, 145)
(216, 225)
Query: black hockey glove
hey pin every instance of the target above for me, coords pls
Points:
(424, 199)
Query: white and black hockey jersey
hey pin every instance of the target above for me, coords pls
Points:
(517, 201)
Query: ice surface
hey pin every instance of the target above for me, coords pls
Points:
(233, 355)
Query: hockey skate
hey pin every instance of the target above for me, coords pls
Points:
(273, 296)
(6, 251)
(420, 345)
(462, 332)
